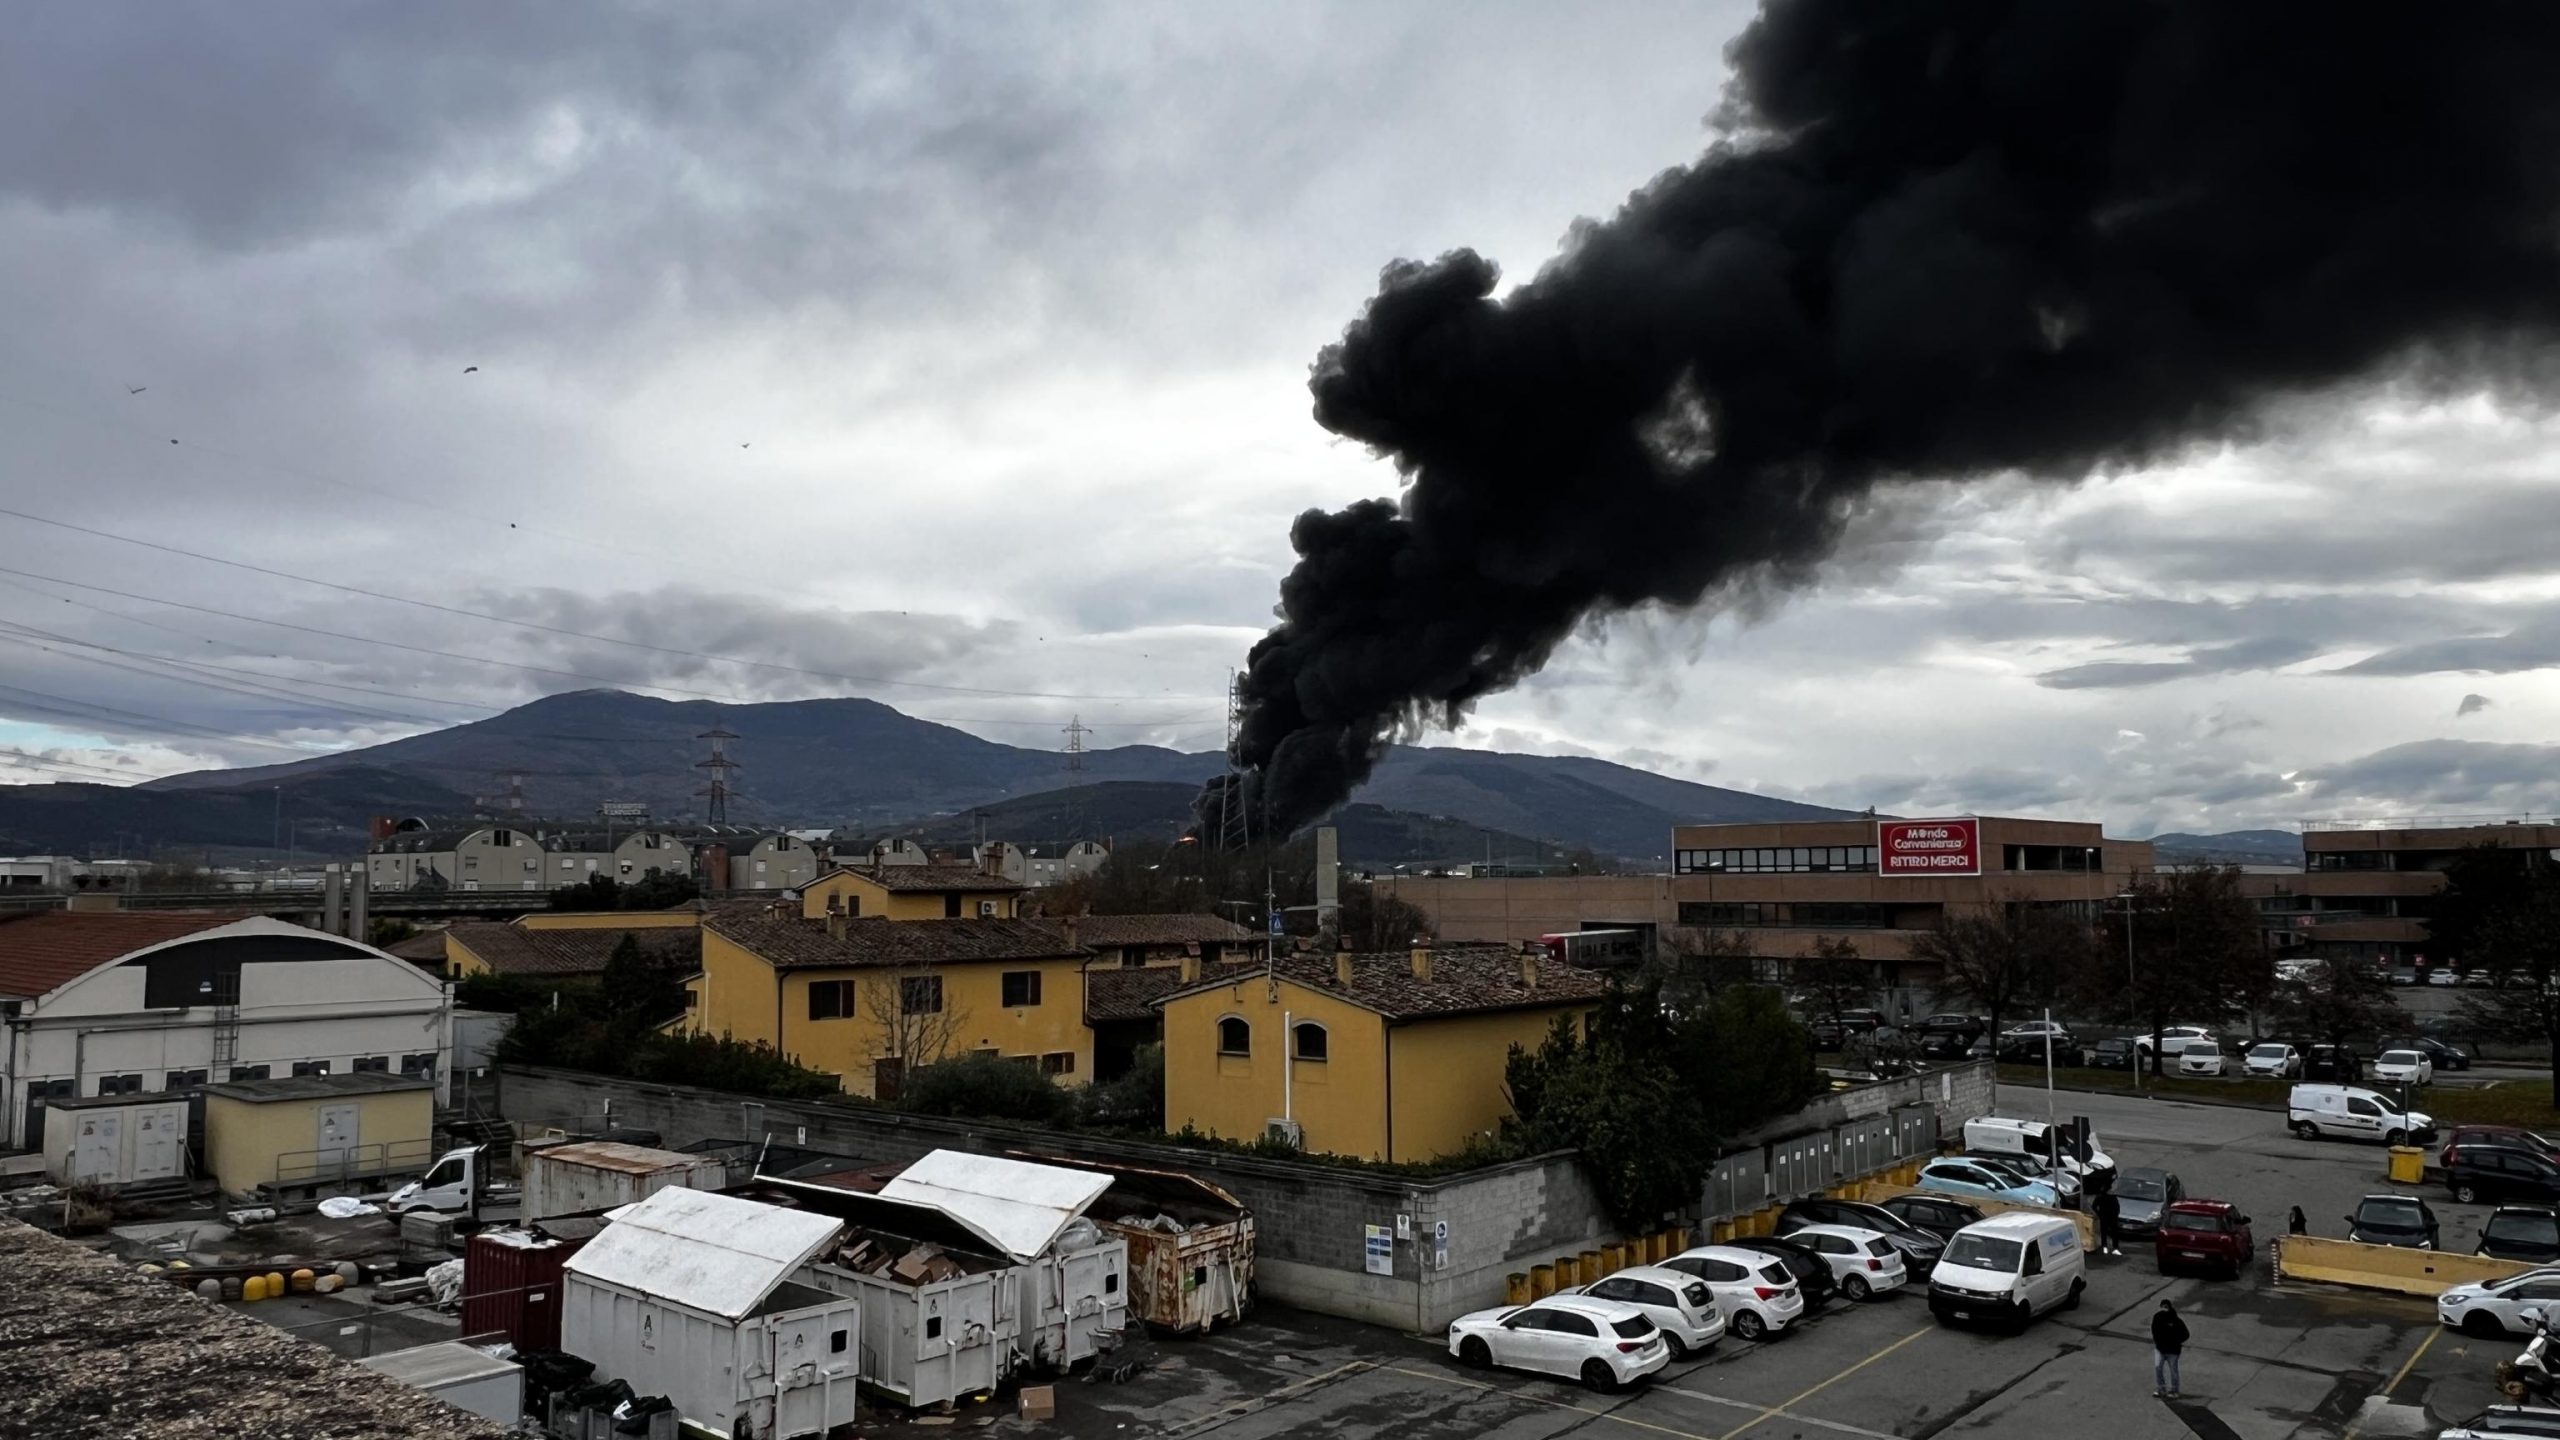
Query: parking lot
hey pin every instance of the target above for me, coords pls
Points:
(2264, 1362)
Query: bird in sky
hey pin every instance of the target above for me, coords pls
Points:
(135, 389)
(470, 369)
(746, 444)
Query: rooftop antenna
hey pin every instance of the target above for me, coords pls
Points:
(719, 765)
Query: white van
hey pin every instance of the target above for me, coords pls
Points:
(2355, 1113)
(2009, 1268)
(2031, 1142)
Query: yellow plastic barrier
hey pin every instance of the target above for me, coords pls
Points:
(2408, 1165)
(2424, 1273)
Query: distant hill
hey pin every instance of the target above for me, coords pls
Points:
(2230, 847)
(857, 765)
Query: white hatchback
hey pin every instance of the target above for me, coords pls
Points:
(2490, 1308)
(1863, 1261)
(2200, 1056)
(2273, 1060)
(1599, 1342)
(2403, 1067)
(1756, 1295)
(1680, 1304)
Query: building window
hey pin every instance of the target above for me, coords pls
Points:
(920, 995)
(418, 1065)
(830, 999)
(470, 862)
(570, 862)
(119, 1084)
(502, 837)
(1021, 987)
(310, 1067)
(951, 907)
(531, 866)
(182, 1080)
(371, 1065)
(1801, 915)
(836, 1341)
(248, 1072)
(1058, 1062)
(1235, 1036)
(1794, 859)
(1310, 1040)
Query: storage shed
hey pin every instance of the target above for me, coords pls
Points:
(310, 1132)
(587, 1176)
(1190, 1245)
(690, 1295)
(511, 1281)
(941, 1309)
(115, 1139)
(460, 1376)
(1074, 1277)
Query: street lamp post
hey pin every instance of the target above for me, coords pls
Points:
(2132, 990)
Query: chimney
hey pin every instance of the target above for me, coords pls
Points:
(1528, 967)
(1190, 967)
(1422, 958)
(1069, 925)
(992, 861)
(333, 900)
(837, 922)
(1342, 965)
(359, 908)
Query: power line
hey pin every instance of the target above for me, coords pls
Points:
(78, 707)
(560, 630)
(254, 692)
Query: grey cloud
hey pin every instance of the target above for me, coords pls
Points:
(2471, 705)
(2533, 646)
(2264, 653)
(2467, 776)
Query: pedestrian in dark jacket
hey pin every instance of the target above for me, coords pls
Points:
(2293, 1223)
(2109, 1212)
(2168, 1337)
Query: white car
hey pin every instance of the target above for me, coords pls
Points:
(1681, 1305)
(1754, 1292)
(2200, 1056)
(2037, 1030)
(2490, 1308)
(2172, 1039)
(1599, 1342)
(2403, 1067)
(2273, 1060)
(1863, 1261)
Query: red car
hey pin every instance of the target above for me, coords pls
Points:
(2204, 1234)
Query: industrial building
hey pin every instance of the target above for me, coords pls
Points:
(915, 892)
(110, 1002)
(538, 855)
(2367, 887)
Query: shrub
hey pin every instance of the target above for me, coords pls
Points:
(985, 1087)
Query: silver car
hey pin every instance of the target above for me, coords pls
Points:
(2141, 1194)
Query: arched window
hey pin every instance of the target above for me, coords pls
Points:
(1235, 1036)
(1310, 1040)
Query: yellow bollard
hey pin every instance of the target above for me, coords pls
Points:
(1515, 1288)
(1613, 1257)
(302, 1282)
(1568, 1272)
(254, 1288)
(275, 1284)
(1542, 1281)
(1592, 1270)
(1679, 1239)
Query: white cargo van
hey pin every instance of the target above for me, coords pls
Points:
(2031, 1142)
(2355, 1113)
(2008, 1269)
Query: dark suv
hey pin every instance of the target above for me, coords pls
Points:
(1919, 1249)
(2334, 1063)
(1830, 1036)
(1812, 1272)
(2116, 1052)
(2500, 1172)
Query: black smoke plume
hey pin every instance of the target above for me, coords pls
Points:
(1935, 239)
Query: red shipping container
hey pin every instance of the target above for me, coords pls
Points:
(511, 1286)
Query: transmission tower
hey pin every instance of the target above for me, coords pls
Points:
(510, 802)
(1078, 820)
(1233, 833)
(719, 765)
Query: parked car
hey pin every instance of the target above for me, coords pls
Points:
(2476, 1171)
(2443, 1054)
(2201, 1055)
(1599, 1342)
(1829, 1034)
(2273, 1060)
(2494, 1307)
(2507, 1422)
(2141, 1193)
(2116, 1052)
(1679, 1305)
(2028, 1146)
(1938, 1215)
(1812, 1273)
(2009, 1268)
(2166, 1040)
(2507, 1135)
(1863, 1262)
(2354, 1113)
(2334, 1063)
(2394, 1220)
(2211, 1234)
(1919, 1248)
(1954, 1022)
(2036, 1031)
(1972, 1177)
(2530, 1233)
(1757, 1296)
(2021, 1170)
(2402, 1067)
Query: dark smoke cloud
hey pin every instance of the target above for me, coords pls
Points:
(1938, 240)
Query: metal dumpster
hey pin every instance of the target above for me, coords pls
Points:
(1190, 1244)
(940, 1315)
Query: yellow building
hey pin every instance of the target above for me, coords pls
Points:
(305, 1130)
(682, 917)
(911, 892)
(518, 950)
(1395, 1057)
(1136, 941)
(870, 999)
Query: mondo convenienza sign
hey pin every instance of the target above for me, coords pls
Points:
(1929, 847)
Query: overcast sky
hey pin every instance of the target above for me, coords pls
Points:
(917, 352)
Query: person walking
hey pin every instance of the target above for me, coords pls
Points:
(2293, 1223)
(2168, 1337)
(2109, 1213)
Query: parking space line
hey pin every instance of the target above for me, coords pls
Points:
(1818, 1423)
(1551, 1404)
(2399, 1375)
(1783, 1406)
(1259, 1402)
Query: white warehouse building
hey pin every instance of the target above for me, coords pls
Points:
(113, 1002)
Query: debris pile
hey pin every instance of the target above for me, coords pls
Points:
(908, 1264)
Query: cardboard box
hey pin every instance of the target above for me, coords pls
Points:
(1039, 1402)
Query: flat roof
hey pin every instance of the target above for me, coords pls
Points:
(444, 1362)
(317, 1087)
(111, 1102)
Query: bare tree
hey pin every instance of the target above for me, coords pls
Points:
(1698, 962)
(1833, 979)
(2003, 957)
(913, 1024)
(2199, 948)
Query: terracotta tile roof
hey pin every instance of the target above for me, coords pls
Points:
(926, 879)
(50, 948)
(1465, 980)
(788, 942)
(427, 946)
(1128, 994)
(1105, 931)
(513, 950)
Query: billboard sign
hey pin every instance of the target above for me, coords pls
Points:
(1929, 847)
(623, 810)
